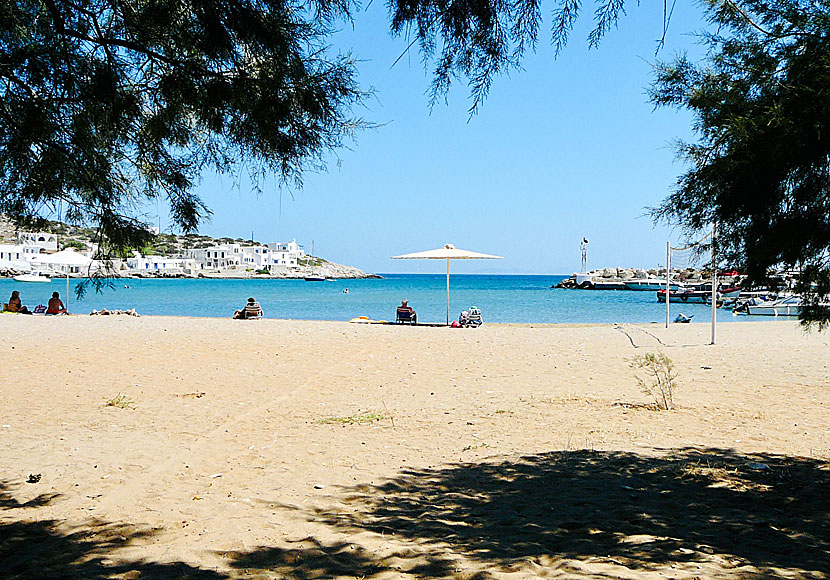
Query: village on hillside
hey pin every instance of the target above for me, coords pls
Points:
(62, 250)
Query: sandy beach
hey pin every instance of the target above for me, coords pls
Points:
(209, 448)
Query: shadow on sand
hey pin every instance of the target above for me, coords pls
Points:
(32, 548)
(730, 514)
(749, 516)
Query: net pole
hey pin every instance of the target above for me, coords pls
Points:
(668, 269)
(714, 286)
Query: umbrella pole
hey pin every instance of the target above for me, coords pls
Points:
(448, 291)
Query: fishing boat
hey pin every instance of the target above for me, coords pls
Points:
(699, 294)
(32, 277)
(685, 296)
(645, 284)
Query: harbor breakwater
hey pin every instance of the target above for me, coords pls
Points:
(615, 278)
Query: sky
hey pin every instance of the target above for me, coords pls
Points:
(567, 148)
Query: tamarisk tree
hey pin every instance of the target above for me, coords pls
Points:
(105, 104)
(761, 167)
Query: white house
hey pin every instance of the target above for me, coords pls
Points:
(18, 256)
(48, 242)
(285, 254)
(255, 256)
(161, 264)
(228, 256)
(216, 257)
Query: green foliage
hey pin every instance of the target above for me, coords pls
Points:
(73, 244)
(105, 104)
(358, 419)
(658, 382)
(761, 167)
(122, 402)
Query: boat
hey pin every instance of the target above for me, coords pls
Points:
(34, 277)
(697, 294)
(314, 279)
(685, 296)
(724, 290)
(652, 284)
(607, 285)
(786, 306)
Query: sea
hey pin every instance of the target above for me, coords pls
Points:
(501, 298)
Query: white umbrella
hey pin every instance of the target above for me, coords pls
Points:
(448, 252)
(63, 260)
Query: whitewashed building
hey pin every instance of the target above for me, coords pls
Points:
(237, 256)
(47, 241)
(220, 257)
(285, 254)
(139, 263)
(18, 256)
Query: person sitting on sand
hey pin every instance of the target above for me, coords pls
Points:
(408, 311)
(56, 305)
(15, 305)
(251, 310)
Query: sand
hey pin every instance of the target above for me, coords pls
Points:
(207, 448)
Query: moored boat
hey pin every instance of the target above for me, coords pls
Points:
(645, 284)
(33, 277)
(685, 296)
(786, 306)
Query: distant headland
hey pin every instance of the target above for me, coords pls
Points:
(63, 250)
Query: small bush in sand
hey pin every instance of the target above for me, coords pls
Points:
(121, 401)
(658, 382)
(360, 418)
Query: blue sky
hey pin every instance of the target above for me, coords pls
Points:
(566, 148)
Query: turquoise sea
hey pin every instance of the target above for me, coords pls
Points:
(501, 298)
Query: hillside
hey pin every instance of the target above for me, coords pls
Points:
(164, 244)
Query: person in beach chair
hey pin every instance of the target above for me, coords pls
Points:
(251, 311)
(56, 305)
(405, 313)
(15, 305)
(471, 318)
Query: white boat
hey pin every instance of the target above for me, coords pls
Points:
(36, 277)
(652, 284)
(786, 306)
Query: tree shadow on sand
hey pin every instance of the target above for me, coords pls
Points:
(33, 548)
(754, 514)
(314, 559)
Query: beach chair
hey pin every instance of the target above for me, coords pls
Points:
(471, 318)
(403, 316)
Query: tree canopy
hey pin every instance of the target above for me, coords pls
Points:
(106, 103)
(761, 167)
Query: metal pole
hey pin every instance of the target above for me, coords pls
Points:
(714, 285)
(668, 269)
(448, 291)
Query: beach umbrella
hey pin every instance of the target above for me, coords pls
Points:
(63, 260)
(448, 252)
